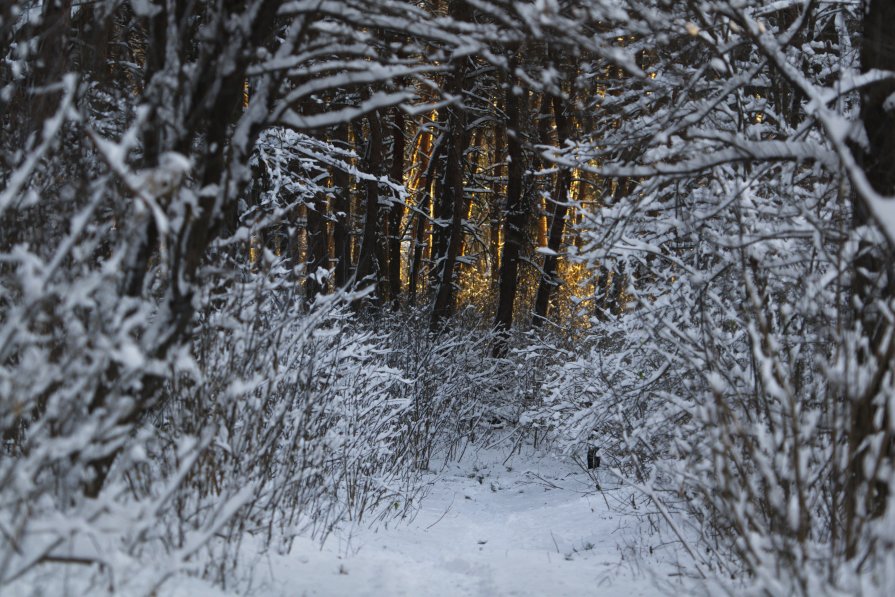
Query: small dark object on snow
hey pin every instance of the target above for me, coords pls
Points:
(496, 423)
(593, 459)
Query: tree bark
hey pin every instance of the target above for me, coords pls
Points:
(367, 262)
(549, 281)
(419, 243)
(873, 276)
(342, 215)
(396, 213)
(517, 209)
(452, 195)
(451, 199)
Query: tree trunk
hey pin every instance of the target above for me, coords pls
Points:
(396, 213)
(342, 215)
(873, 277)
(451, 200)
(452, 196)
(419, 244)
(516, 216)
(549, 281)
(366, 259)
(201, 224)
(496, 209)
(55, 27)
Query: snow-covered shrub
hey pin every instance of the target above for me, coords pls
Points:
(724, 392)
(299, 411)
(746, 386)
(276, 420)
(164, 388)
(451, 384)
(599, 392)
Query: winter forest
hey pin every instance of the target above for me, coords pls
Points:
(273, 270)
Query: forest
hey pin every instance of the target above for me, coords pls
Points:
(265, 265)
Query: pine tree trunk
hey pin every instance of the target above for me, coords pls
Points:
(367, 270)
(517, 209)
(549, 280)
(495, 211)
(452, 196)
(419, 243)
(342, 215)
(396, 213)
(451, 200)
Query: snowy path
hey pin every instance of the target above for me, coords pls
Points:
(531, 527)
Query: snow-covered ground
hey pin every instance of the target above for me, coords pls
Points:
(534, 525)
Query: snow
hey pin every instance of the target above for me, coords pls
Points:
(533, 526)
(377, 101)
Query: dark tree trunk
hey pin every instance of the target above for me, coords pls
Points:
(452, 196)
(517, 209)
(93, 39)
(383, 285)
(496, 209)
(451, 200)
(601, 290)
(200, 226)
(873, 274)
(474, 146)
(367, 263)
(436, 193)
(549, 280)
(419, 244)
(341, 215)
(442, 202)
(615, 295)
(53, 50)
(878, 52)
(396, 213)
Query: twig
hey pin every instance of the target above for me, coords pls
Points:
(667, 516)
(443, 514)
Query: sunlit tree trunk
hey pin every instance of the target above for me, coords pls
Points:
(497, 191)
(549, 280)
(423, 206)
